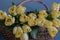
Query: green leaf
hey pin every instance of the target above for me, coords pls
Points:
(34, 33)
(49, 17)
(8, 28)
(13, 3)
(2, 22)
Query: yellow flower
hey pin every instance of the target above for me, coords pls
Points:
(59, 13)
(40, 21)
(32, 16)
(17, 31)
(56, 23)
(48, 24)
(32, 19)
(12, 10)
(20, 9)
(9, 20)
(42, 14)
(24, 37)
(23, 18)
(52, 31)
(2, 15)
(55, 6)
(26, 28)
(55, 14)
(31, 22)
(14, 30)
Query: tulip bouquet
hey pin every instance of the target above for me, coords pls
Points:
(22, 23)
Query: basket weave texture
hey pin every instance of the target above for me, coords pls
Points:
(42, 34)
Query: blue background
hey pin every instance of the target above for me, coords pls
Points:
(5, 4)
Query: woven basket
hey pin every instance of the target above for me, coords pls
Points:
(42, 35)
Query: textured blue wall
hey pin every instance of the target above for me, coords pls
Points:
(5, 4)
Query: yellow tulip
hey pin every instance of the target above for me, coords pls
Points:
(24, 37)
(56, 23)
(52, 31)
(32, 16)
(2, 15)
(42, 14)
(17, 31)
(14, 30)
(32, 19)
(59, 13)
(40, 21)
(26, 28)
(23, 18)
(31, 22)
(9, 20)
(48, 24)
(12, 10)
(20, 9)
(55, 7)
(55, 14)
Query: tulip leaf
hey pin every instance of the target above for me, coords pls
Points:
(49, 17)
(34, 33)
(8, 28)
(13, 3)
(2, 22)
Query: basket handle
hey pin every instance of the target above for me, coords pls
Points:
(39, 1)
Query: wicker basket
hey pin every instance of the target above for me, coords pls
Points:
(42, 35)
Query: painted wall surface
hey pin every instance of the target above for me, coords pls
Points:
(5, 4)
